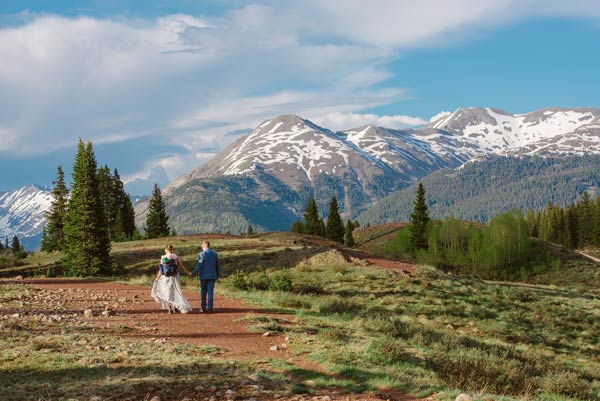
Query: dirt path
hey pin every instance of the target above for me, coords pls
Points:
(132, 306)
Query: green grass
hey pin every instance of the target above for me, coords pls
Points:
(438, 333)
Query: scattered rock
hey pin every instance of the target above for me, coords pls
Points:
(16, 315)
(462, 397)
(312, 383)
(88, 313)
(274, 348)
(19, 277)
(268, 334)
(255, 377)
(155, 398)
(106, 313)
(230, 395)
(95, 398)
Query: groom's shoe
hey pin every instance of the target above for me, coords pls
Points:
(203, 310)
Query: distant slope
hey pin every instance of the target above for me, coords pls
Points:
(22, 214)
(481, 189)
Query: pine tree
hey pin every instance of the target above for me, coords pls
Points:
(297, 227)
(16, 244)
(1, 246)
(124, 223)
(157, 220)
(109, 198)
(86, 233)
(348, 236)
(6, 242)
(250, 230)
(334, 229)
(322, 229)
(312, 221)
(56, 216)
(419, 220)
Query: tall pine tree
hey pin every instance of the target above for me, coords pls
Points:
(348, 236)
(312, 221)
(124, 223)
(87, 242)
(334, 230)
(157, 221)
(419, 220)
(54, 232)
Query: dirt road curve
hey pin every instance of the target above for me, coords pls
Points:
(136, 309)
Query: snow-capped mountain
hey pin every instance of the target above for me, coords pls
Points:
(297, 152)
(286, 159)
(480, 131)
(22, 214)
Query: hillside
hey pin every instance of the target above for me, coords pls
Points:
(339, 326)
(488, 187)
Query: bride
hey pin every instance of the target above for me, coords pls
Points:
(166, 289)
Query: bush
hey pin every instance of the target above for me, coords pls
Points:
(239, 280)
(258, 281)
(335, 305)
(280, 281)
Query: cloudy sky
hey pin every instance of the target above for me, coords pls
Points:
(161, 86)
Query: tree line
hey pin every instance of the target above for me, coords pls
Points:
(333, 229)
(574, 226)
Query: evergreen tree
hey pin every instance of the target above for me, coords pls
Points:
(419, 220)
(86, 232)
(108, 196)
(297, 227)
(6, 242)
(54, 238)
(16, 244)
(334, 229)
(250, 230)
(322, 229)
(348, 236)
(124, 223)
(312, 221)
(2, 246)
(157, 220)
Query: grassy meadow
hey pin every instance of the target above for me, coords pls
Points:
(430, 334)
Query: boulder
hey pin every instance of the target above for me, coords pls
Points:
(463, 397)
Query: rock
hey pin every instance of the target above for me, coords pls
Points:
(268, 334)
(106, 313)
(88, 313)
(255, 377)
(95, 398)
(287, 339)
(199, 388)
(16, 315)
(326, 398)
(312, 383)
(230, 395)
(19, 277)
(462, 397)
(274, 348)
(155, 398)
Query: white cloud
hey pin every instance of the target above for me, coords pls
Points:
(345, 121)
(185, 80)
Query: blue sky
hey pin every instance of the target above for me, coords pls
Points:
(171, 83)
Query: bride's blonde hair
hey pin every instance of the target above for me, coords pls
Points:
(170, 249)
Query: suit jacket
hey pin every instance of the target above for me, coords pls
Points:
(208, 267)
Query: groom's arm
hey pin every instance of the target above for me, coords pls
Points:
(199, 265)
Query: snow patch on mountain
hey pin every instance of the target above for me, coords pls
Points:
(22, 213)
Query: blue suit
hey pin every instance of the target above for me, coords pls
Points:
(208, 270)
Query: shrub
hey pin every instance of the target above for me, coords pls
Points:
(280, 281)
(336, 305)
(308, 288)
(239, 280)
(258, 281)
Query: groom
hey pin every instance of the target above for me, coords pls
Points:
(208, 270)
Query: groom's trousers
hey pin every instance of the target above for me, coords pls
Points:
(207, 289)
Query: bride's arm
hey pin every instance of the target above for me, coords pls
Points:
(181, 266)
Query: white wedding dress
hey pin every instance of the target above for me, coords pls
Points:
(167, 290)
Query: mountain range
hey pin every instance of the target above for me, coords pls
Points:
(266, 177)
(22, 214)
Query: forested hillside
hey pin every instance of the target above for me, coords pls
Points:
(482, 189)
